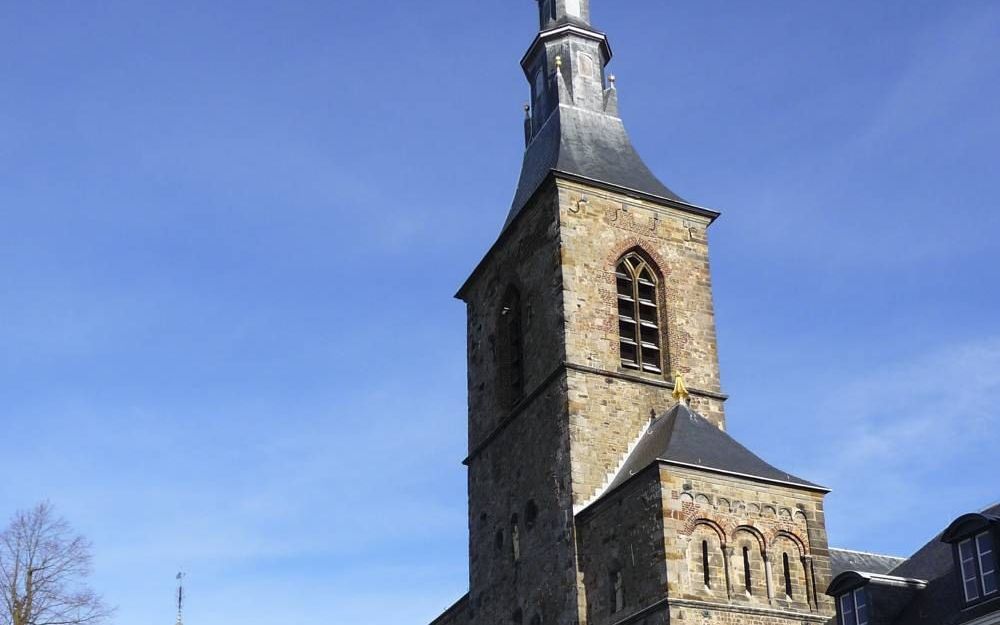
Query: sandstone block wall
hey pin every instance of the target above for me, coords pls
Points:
(596, 229)
(772, 521)
(607, 415)
(623, 534)
(519, 473)
(521, 479)
(610, 406)
(526, 258)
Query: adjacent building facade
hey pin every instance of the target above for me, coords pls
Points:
(603, 487)
(952, 580)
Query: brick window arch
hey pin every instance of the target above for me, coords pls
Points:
(638, 315)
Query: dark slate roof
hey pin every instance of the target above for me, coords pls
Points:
(842, 560)
(897, 595)
(589, 144)
(941, 603)
(685, 437)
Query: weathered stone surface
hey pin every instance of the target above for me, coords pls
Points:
(548, 542)
(555, 451)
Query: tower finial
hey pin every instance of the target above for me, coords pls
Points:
(680, 391)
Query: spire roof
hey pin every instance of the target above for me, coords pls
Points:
(573, 127)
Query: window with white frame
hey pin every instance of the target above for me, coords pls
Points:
(978, 566)
(852, 608)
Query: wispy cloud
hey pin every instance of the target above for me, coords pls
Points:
(912, 443)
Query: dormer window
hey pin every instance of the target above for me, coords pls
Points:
(978, 566)
(974, 537)
(852, 608)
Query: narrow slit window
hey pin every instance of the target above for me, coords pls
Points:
(617, 591)
(638, 315)
(705, 566)
(788, 574)
(747, 578)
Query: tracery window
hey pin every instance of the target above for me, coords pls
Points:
(638, 315)
(511, 350)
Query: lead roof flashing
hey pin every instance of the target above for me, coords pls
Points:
(566, 29)
(849, 580)
(748, 476)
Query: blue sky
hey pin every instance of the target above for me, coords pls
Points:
(231, 233)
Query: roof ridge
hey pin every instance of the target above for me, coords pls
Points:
(868, 553)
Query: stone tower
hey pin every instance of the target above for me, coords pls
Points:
(602, 489)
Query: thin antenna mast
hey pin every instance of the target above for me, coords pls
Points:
(180, 599)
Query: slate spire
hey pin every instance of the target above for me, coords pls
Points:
(572, 124)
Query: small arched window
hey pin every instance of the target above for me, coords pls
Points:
(638, 315)
(706, 567)
(530, 514)
(511, 350)
(515, 538)
(747, 578)
(787, 569)
(617, 587)
(547, 10)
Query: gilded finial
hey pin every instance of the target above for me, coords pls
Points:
(680, 391)
(559, 61)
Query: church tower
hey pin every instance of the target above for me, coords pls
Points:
(603, 488)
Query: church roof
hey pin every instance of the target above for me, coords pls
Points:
(683, 437)
(590, 144)
(842, 560)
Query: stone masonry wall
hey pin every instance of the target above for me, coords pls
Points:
(732, 513)
(623, 533)
(521, 479)
(595, 233)
(610, 406)
(526, 258)
(607, 415)
(519, 455)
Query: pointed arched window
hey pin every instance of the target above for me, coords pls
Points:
(511, 352)
(638, 315)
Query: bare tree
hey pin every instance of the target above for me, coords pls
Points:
(43, 571)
